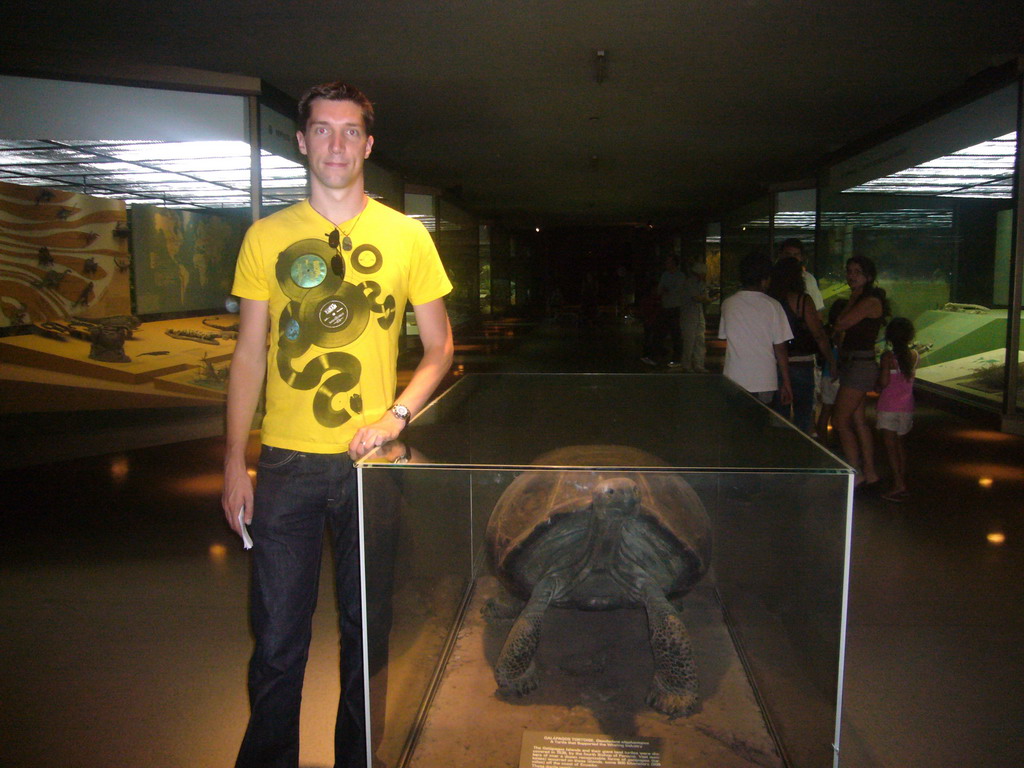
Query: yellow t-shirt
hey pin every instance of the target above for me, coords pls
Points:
(334, 341)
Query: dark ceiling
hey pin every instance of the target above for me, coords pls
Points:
(702, 104)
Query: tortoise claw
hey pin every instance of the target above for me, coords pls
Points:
(672, 704)
(519, 686)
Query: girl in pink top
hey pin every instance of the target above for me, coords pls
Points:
(895, 409)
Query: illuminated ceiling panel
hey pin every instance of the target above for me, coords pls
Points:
(430, 222)
(984, 170)
(192, 174)
(903, 218)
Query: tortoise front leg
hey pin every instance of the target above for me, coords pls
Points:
(515, 671)
(674, 691)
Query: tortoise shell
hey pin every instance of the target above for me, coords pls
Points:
(535, 501)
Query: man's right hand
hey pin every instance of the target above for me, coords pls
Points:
(237, 494)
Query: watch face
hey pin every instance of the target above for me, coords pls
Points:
(401, 412)
(309, 270)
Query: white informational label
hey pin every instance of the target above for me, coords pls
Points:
(581, 750)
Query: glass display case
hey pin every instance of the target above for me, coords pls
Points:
(752, 513)
(933, 207)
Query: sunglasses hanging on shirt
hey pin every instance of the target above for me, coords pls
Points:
(338, 237)
(337, 263)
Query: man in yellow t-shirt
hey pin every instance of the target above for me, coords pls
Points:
(328, 279)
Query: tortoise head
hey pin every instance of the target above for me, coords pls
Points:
(617, 495)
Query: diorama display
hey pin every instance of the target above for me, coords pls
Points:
(107, 334)
(598, 514)
(62, 254)
(963, 347)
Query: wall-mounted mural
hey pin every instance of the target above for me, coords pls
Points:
(62, 254)
(184, 260)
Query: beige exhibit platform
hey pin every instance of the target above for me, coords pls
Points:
(72, 355)
(962, 369)
(44, 374)
(196, 381)
(978, 375)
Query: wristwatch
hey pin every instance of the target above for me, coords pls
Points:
(401, 412)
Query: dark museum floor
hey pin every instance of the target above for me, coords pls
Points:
(123, 599)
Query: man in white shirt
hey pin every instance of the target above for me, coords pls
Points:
(755, 328)
(795, 247)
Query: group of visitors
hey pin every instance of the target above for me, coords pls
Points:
(775, 340)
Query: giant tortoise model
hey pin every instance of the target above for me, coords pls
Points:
(599, 539)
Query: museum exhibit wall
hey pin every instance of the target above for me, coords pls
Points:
(84, 166)
(67, 254)
(61, 253)
(184, 260)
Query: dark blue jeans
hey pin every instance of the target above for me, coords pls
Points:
(801, 380)
(296, 496)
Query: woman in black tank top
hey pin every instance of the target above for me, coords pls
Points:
(858, 326)
(786, 286)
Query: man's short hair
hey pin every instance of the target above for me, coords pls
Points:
(337, 91)
(792, 242)
(755, 268)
